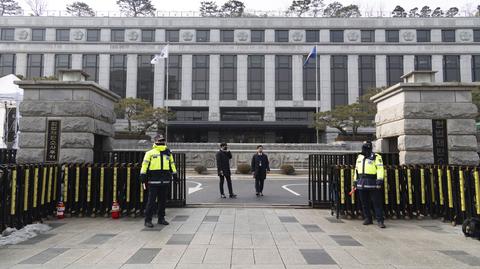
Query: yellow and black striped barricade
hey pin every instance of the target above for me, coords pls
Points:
(108, 189)
(4, 196)
(177, 193)
(476, 191)
(389, 191)
(122, 187)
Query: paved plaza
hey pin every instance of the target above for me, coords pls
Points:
(238, 238)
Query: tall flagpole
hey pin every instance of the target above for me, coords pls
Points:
(166, 95)
(316, 92)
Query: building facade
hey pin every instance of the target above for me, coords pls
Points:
(242, 79)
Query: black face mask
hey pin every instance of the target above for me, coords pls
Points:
(366, 150)
(160, 143)
(225, 148)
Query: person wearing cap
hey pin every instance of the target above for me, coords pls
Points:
(158, 169)
(368, 180)
(223, 158)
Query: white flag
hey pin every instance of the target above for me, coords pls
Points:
(163, 54)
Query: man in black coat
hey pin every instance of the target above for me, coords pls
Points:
(260, 168)
(223, 157)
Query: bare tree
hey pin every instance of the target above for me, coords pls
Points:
(38, 7)
(9, 7)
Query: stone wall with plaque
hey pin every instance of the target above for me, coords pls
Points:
(434, 122)
(59, 119)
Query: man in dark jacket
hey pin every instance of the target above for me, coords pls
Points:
(223, 157)
(260, 168)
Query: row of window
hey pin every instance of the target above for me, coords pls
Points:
(148, 35)
(255, 74)
(243, 114)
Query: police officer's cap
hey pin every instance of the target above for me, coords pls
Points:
(159, 137)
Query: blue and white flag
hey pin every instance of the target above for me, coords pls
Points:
(163, 55)
(312, 54)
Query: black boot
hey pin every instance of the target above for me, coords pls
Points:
(381, 225)
(233, 196)
(367, 221)
(162, 221)
(148, 224)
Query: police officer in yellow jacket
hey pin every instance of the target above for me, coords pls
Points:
(368, 180)
(158, 168)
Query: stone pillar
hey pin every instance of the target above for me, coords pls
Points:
(104, 70)
(297, 78)
(214, 35)
(132, 60)
(353, 91)
(77, 61)
(324, 35)
(437, 65)
(159, 84)
(105, 35)
(242, 76)
(214, 90)
(160, 35)
(379, 35)
(436, 35)
(49, 64)
(50, 34)
(325, 83)
(408, 63)
(381, 70)
(269, 88)
(466, 68)
(407, 112)
(186, 77)
(269, 35)
(83, 110)
(21, 64)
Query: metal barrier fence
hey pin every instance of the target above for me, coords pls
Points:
(320, 167)
(449, 192)
(30, 193)
(8, 156)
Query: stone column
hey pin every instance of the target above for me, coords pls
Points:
(379, 35)
(214, 35)
(77, 61)
(50, 34)
(132, 60)
(297, 78)
(408, 63)
(159, 84)
(466, 68)
(160, 35)
(214, 89)
(437, 65)
(353, 91)
(104, 70)
(324, 35)
(105, 35)
(269, 35)
(325, 83)
(21, 64)
(242, 76)
(436, 35)
(269, 88)
(49, 64)
(186, 77)
(381, 70)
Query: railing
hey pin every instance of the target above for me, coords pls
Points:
(7, 156)
(247, 13)
(30, 193)
(448, 192)
(320, 175)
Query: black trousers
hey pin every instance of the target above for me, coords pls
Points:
(229, 184)
(259, 181)
(368, 196)
(156, 192)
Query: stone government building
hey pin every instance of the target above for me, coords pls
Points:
(242, 79)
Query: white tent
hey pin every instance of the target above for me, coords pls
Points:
(10, 97)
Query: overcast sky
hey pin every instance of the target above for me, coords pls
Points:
(266, 5)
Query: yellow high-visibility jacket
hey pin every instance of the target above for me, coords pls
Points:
(369, 171)
(159, 165)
